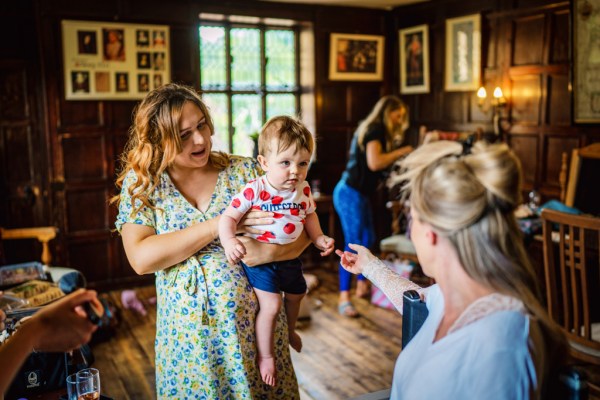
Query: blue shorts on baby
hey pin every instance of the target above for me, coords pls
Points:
(276, 277)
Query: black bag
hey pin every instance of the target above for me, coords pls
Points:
(414, 314)
(44, 372)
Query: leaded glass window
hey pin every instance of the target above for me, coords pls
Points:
(248, 73)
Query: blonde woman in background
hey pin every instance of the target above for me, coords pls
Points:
(487, 334)
(173, 191)
(371, 152)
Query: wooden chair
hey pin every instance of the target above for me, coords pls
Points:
(42, 234)
(572, 279)
(569, 183)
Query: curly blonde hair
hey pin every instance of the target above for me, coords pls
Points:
(154, 141)
(469, 196)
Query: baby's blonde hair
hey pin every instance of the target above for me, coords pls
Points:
(289, 131)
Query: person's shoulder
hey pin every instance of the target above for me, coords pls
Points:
(375, 130)
(504, 329)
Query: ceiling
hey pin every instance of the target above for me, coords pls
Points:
(382, 4)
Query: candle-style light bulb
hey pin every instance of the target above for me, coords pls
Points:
(498, 93)
(481, 93)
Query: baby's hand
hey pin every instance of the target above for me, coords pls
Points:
(325, 243)
(234, 250)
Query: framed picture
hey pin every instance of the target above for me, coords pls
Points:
(355, 57)
(113, 61)
(586, 56)
(463, 53)
(414, 59)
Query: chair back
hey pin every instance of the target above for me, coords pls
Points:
(42, 234)
(573, 279)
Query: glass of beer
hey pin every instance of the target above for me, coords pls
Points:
(88, 384)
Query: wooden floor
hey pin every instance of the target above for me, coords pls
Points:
(341, 358)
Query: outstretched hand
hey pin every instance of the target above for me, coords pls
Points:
(355, 263)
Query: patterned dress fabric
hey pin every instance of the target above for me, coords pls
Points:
(205, 342)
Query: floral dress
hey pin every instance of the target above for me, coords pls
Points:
(205, 342)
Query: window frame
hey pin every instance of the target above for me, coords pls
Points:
(261, 89)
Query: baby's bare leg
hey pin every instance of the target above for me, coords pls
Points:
(270, 304)
(292, 308)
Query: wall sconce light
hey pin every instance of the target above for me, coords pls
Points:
(498, 103)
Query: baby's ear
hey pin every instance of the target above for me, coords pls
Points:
(263, 162)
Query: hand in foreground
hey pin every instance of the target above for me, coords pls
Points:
(63, 325)
(355, 263)
(252, 218)
(326, 244)
(234, 250)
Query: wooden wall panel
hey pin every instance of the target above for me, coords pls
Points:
(17, 160)
(560, 37)
(526, 148)
(119, 115)
(559, 110)
(23, 200)
(454, 107)
(528, 40)
(79, 113)
(361, 101)
(86, 210)
(332, 104)
(97, 269)
(13, 99)
(83, 157)
(526, 100)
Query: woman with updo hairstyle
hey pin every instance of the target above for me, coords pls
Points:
(487, 334)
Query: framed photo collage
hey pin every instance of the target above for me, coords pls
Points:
(114, 61)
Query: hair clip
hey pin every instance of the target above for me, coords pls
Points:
(467, 145)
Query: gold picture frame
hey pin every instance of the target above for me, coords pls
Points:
(356, 57)
(463, 53)
(586, 89)
(114, 61)
(414, 59)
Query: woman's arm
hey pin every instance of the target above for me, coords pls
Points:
(148, 252)
(377, 159)
(260, 253)
(390, 283)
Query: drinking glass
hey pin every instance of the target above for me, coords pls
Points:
(88, 384)
(72, 387)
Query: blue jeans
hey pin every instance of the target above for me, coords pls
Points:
(356, 217)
